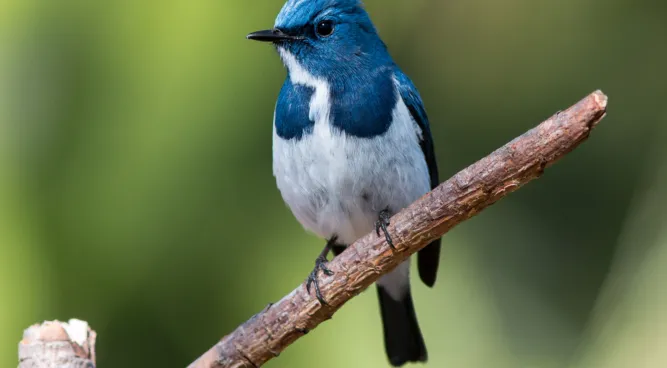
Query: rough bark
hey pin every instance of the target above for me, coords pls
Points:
(58, 345)
(470, 191)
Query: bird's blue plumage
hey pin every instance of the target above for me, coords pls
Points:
(362, 106)
(414, 103)
(354, 45)
(291, 118)
(296, 13)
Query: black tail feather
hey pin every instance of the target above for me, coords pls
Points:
(427, 262)
(402, 338)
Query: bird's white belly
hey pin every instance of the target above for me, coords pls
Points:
(336, 184)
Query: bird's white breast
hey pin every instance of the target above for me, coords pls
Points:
(336, 184)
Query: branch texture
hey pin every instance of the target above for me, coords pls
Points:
(470, 191)
(58, 345)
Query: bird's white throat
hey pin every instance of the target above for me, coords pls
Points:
(320, 103)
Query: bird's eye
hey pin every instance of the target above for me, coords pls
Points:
(324, 28)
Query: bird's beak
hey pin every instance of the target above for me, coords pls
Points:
(270, 35)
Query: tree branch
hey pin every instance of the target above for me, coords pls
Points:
(269, 332)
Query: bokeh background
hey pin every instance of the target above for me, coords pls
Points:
(136, 189)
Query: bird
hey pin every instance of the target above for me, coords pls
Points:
(352, 146)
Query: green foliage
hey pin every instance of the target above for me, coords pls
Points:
(136, 189)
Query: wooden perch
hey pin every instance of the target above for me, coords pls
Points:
(58, 345)
(269, 332)
(470, 191)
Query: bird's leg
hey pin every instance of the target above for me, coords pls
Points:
(381, 224)
(321, 264)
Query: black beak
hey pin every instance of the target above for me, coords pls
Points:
(270, 35)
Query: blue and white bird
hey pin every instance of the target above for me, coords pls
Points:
(351, 146)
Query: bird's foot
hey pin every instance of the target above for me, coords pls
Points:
(381, 224)
(320, 264)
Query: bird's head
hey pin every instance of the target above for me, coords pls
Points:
(326, 37)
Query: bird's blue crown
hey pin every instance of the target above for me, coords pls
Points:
(296, 13)
(348, 43)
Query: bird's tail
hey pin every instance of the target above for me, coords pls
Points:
(403, 340)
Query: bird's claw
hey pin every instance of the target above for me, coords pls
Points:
(381, 224)
(320, 264)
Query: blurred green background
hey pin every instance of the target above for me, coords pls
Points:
(136, 189)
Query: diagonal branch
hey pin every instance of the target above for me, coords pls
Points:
(470, 191)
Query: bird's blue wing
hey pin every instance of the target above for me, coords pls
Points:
(429, 257)
(414, 103)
